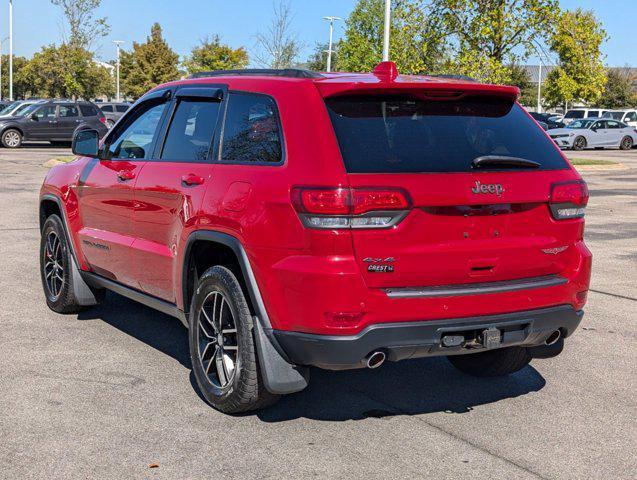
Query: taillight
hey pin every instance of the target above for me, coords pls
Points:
(103, 120)
(338, 208)
(568, 199)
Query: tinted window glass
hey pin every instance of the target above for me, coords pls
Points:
(134, 137)
(574, 114)
(592, 114)
(22, 109)
(191, 130)
(107, 108)
(121, 108)
(46, 113)
(613, 124)
(580, 124)
(391, 134)
(88, 110)
(67, 111)
(631, 117)
(251, 131)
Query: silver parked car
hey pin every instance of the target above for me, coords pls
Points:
(595, 133)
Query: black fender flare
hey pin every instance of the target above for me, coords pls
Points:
(280, 375)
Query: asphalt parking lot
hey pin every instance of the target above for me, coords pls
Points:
(109, 393)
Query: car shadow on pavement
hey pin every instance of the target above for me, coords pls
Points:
(410, 387)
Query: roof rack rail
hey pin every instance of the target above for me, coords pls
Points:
(268, 72)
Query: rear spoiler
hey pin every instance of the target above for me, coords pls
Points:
(434, 89)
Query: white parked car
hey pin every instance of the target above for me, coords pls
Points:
(580, 113)
(595, 133)
(629, 117)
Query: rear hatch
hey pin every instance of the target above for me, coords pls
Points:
(477, 172)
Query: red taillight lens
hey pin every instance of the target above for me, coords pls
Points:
(331, 208)
(103, 120)
(568, 199)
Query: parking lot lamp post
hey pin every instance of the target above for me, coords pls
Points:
(386, 30)
(118, 44)
(11, 50)
(329, 47)
(539, 89)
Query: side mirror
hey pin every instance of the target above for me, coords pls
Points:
(86, 143)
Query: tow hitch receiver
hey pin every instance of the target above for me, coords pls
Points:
(491, 338)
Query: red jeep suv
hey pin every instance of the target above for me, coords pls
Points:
(292, 219)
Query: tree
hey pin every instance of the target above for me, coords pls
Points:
(580, 75)
(488, 35)
(83, 27)
(318, 59)
(618, 92)
(416, 43)
(20, 88)
(211, 54)
(519, 77)
(279, 46)
(67, 71)
(149, 64)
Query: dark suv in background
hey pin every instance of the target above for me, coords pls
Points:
(113, 112)
(55, 121)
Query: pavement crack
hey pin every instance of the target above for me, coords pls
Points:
(453, 435)
(616, 295)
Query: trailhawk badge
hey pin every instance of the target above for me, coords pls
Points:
(488, 188)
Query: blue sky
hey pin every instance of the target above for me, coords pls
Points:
(38, 22)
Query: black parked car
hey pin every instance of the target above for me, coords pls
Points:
(545, 118)
(113, 112)
(55, 121)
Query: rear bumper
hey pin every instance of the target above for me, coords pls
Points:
(406, 340)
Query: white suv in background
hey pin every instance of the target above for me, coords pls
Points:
(580, 113)
(629, 117)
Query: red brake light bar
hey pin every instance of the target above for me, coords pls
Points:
(568, 199)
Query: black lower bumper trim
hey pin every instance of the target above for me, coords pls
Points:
(420, 339)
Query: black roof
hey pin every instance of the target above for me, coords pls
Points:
(268, 72)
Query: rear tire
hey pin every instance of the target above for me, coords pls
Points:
(109, 123)
(626, 143)
(11, 138)
(492, 363)
(55, 268)
(222, 347)
(579, 143)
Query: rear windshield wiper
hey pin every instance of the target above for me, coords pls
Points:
(487, 161)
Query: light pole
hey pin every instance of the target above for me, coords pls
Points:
(539, 89)
(118, 44)
(11, 50)
(386, 30)
(1, 42)
(329, 48)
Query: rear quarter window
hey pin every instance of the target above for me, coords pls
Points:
(88, 111)
(401, 134)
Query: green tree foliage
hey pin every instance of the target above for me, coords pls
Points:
(488, 35)
(580, 75)
(618, 92)
(20, 88)
(67, 71)
(318, 59)
(83, 27)
(211, 54)
(417, 45)
(519, 77)
(149, 64)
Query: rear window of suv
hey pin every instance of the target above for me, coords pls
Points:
(404, 134)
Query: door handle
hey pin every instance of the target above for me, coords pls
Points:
(191, 179)
(126, 175)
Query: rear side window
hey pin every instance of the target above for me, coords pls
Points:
(88, 111)
(189, 136)
(613, 124)
(251, 132)
(592, 114)
(396, 134)
(574, 114)
(107, 108)
(67, 111)
(121, 108)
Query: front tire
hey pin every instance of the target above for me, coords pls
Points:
(222, 347)
(55, 268)
(579, 143)
(492, 363)
(11, 138)
(626, 143)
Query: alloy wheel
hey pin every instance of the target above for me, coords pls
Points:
(218, 345)
(627, 143)
(12, 139)
(54, 265)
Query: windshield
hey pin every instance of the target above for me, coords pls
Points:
(614, 115)
(574, 114)
(580, 124)
(7, 109)
(400, 133)
(26, 109)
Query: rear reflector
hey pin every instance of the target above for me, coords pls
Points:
(568, 199)
(336, 208)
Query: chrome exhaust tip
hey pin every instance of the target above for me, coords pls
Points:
(375, 359)
(553, 338)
